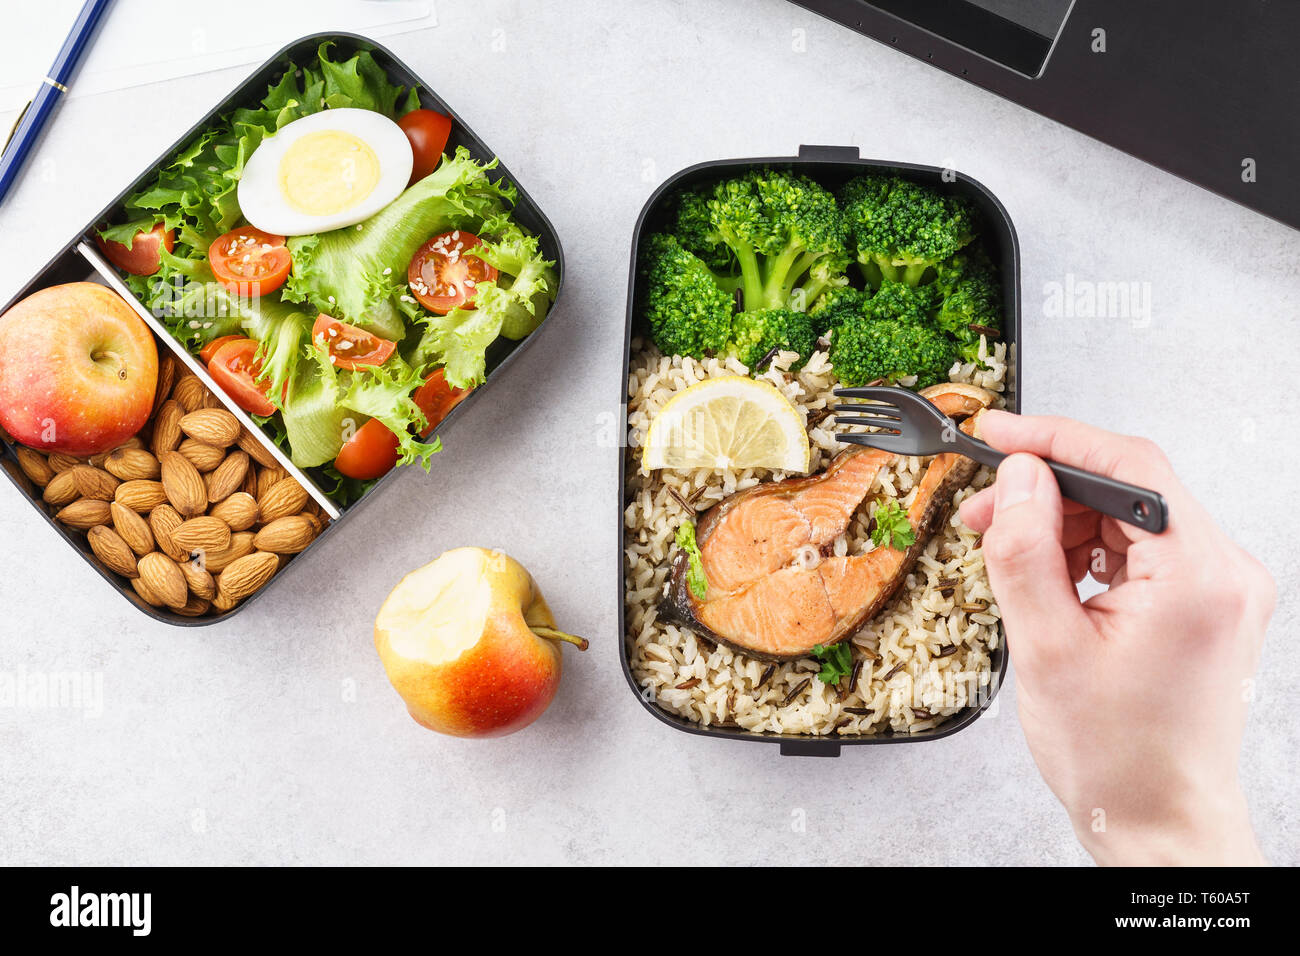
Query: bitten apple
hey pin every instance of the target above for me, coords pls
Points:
(470, 645)
(78, 369)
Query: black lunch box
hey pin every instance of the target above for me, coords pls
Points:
(831, 166)
(69, 266)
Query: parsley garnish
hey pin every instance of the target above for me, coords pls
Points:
(837, 661)
(695, 578)
(892, 528)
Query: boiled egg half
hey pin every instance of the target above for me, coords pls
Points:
(325, 171)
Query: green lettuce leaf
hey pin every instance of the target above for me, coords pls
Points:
(383, 392)
(513, 305)
(314, 421)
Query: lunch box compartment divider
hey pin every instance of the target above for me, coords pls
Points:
(831, 166)
(68, 265)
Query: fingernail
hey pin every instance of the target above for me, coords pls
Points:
(1017, 479)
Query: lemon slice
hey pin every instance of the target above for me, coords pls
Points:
(728, 422)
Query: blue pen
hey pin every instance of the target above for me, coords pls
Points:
(36, 114)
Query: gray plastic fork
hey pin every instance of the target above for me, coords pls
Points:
(913, 426)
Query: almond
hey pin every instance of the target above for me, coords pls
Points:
(167, 428)
(112, 550)
(211, 401)
(141, 494)
(94, 482)
(285, 497)
(146, 593)
(199, 580)
(163, 520)
(249, 486)
(247, 574)
(132, 528)
(223, 602)
(188, 392)
(34, 465)
(256, 450)
(131, 463)
(239, 511)
(215, 426)
(162, 576)
(285, 535)
(61, 489)
(204, 533)
(267, 479)
(194, 607)
(184, 485)
(227, 478)
(202, 456)
(317, 523)
(61, 462)
(166, 376)
(84, 513)
(241, 543)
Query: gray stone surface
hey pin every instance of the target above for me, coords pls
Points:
(275, 738)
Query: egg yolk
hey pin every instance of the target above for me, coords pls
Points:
(327, 172)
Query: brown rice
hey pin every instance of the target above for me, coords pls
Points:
(910, 679)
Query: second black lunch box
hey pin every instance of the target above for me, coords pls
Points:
(831, 166)
(68, 265)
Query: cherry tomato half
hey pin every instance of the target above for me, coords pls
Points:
(348, 345)
(209, 350)
(443, 276)
(372, 450)
(250, 261)
(369, 453)
(235, 368)
(428, 132)
(143, 258)
(436, 399)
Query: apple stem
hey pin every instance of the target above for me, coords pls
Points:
(579, 642)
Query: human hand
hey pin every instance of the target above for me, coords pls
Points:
(1134, 701)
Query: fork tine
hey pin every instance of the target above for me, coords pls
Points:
(857, 408)
(882, 441)
(891, 424)
(880, 393)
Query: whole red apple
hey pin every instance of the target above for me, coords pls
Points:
(470, 644)
(78, 369)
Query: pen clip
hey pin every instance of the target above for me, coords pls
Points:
(13, 129)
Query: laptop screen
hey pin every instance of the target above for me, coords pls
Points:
(1018, 34)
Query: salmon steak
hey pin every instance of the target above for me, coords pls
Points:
(775, 588)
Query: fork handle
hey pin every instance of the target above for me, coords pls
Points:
(1124, 502)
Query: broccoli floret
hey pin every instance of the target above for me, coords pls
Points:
(905, 303)
(687, 311)
(900, 229)
(786, 233)
(835, 306)
(865, 350)
(755, 334)
(971, 298)
(692, 228)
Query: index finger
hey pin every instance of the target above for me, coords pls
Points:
(1138, 461)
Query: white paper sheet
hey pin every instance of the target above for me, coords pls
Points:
(140, 41)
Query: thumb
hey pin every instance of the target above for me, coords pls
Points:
(1024, 554)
